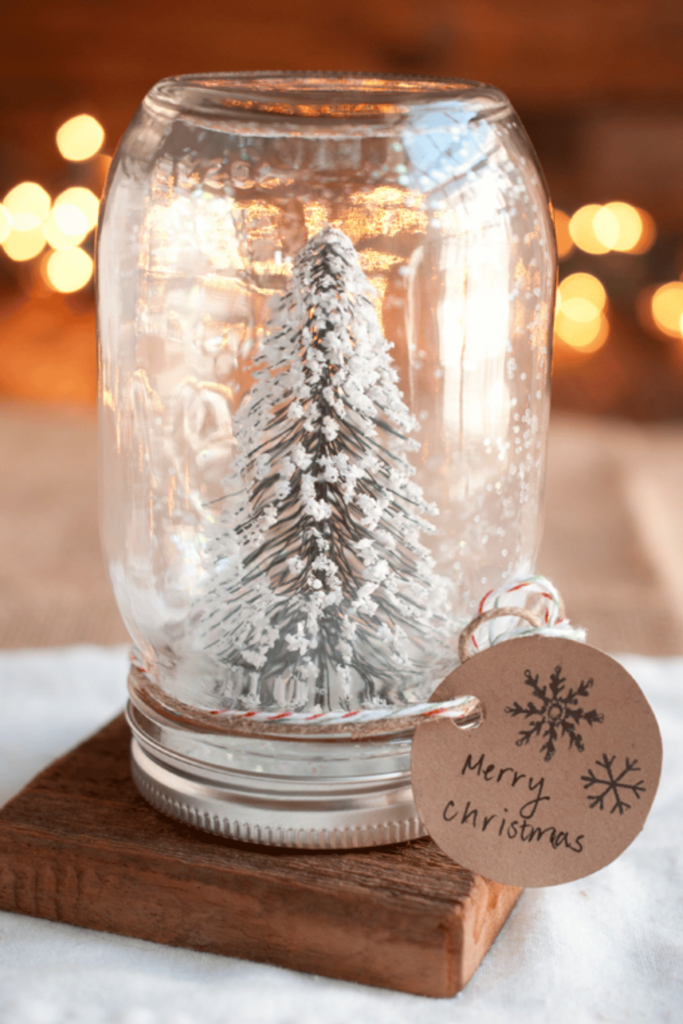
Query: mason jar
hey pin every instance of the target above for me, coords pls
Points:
(325, 307)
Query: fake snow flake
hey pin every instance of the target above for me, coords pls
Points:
(554, 714)
(613, 785)
(330, 428)
(333, 596)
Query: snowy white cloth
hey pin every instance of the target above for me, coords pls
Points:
(606, 948)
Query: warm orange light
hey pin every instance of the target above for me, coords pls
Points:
(70, 219)
(622, 227)
(5, 223)
(24, 245)
(581, 288)
(565, 245)
(666, 306)
(584, 336)
(580, 320)
(103, 165)
(580, 310)
(80, 138)
(316, 216)
(29, 205)
(84, 200)
(73, 216)
(68, 270)
(609, 223)
(648, 236)
(385, 210)
(582, 231)
(373, 262)
(66, 226)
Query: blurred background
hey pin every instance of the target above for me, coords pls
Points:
(599, 87)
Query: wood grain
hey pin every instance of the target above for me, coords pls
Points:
(80, 845)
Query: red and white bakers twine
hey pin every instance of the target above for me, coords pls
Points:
(545, 617)
(542, 609)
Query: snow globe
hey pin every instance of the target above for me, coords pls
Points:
(324, 308)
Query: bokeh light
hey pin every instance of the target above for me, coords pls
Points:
(84, 200)
(565, 245)
(586, 287)
(70, 219)
(582, 231)
(666, 307)
(580, 309)
(624, 228)
(80, 138)
(24, 245)
(66, 226)
(648, 235)
(5, 223)
(580, 319)
(68, 269)
(73, 216)
(28, 204)
(585, 336)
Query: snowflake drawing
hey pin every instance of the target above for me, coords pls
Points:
(554, 713)
(322, 588)
(613, 784)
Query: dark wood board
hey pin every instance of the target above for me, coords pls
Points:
(80, 845)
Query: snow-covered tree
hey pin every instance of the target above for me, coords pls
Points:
(322, 591)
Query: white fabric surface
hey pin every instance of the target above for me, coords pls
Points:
(606, 948)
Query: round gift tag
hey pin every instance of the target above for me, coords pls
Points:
(558, 778)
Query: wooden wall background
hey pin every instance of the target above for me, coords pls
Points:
(557, 61)
(598, 83)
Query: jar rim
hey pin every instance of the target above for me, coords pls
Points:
(334, 96)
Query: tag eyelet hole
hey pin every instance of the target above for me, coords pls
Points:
(474, 716)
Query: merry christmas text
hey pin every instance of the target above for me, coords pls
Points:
(499, 825)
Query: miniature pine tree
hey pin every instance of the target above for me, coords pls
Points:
(323, 592)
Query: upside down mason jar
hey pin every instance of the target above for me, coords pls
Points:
(324, 314)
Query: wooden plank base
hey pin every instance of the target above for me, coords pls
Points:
(80, 845)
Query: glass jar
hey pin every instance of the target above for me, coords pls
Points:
(325, 305)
